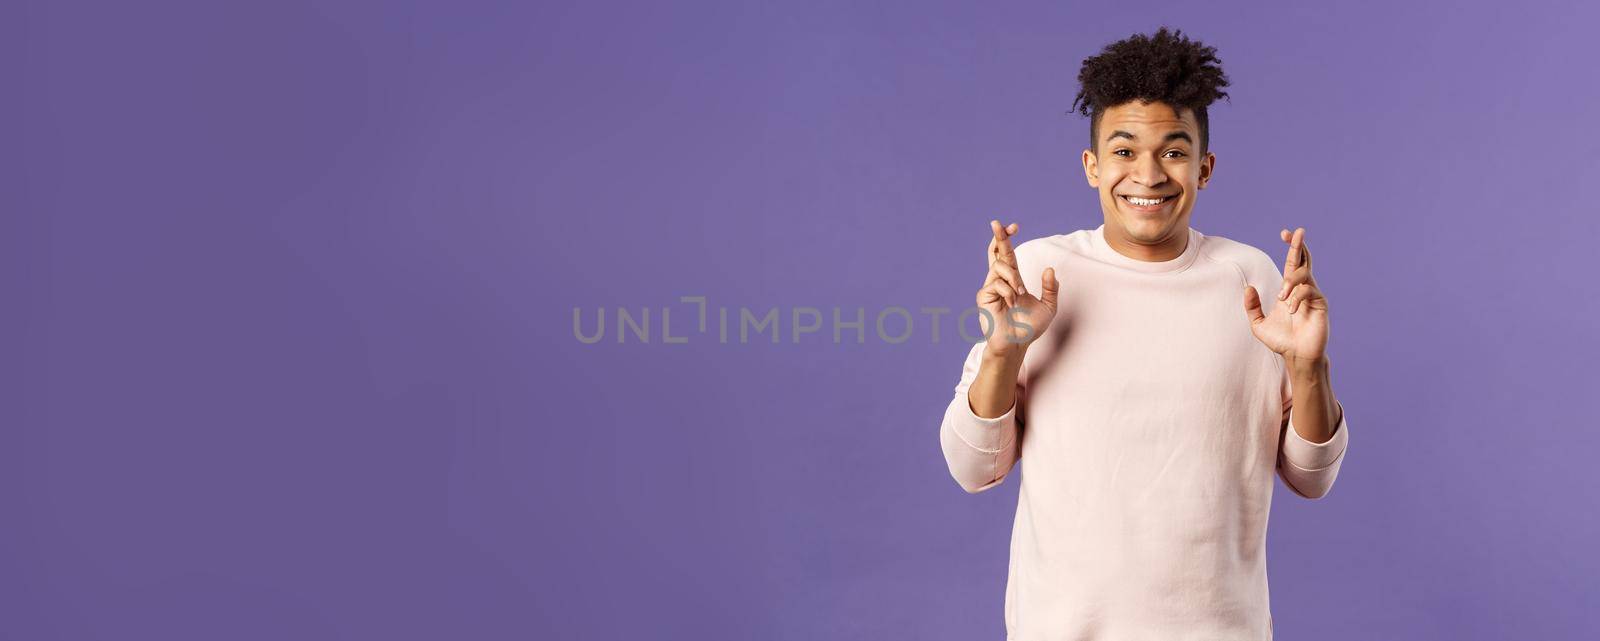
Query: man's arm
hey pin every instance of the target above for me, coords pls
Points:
(1317, 410)
(995, 389)
(1315, 434)
(981, 426)
(981, 444)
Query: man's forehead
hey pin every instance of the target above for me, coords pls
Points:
(1154, 115)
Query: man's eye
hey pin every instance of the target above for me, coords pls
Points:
(1121, 152)
(1175, 151)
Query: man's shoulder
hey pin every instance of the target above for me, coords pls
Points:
(1051, 248)
(1250, 259)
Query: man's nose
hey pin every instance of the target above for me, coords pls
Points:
(1148, 172)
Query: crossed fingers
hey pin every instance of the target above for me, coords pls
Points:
(1298, 283)
(1003, 264)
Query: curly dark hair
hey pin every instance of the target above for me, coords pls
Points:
(1166, 67)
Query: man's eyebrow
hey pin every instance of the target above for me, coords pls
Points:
(1176, 135)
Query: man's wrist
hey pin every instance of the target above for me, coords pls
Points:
(1307, 368)
(1010, 355)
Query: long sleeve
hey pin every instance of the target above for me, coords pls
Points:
(979, 451)
(1309, 469)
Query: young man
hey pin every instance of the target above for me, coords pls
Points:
(1135, 372)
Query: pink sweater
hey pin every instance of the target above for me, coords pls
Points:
(1151, 424)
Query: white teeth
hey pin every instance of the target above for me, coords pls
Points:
(1146, 202)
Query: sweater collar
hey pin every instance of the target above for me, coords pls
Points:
(1106, 254)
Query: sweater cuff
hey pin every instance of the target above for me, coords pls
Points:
(989, 435)
(1310, 456)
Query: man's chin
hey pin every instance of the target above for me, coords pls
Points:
(1146, 230)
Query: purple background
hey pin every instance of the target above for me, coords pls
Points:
(289, 348)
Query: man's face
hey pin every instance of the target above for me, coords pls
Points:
(1148, 152)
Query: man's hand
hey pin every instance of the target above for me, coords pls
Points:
(1019, 318)
(1298, 326)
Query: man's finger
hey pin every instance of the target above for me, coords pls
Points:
(1293, 260)
(1000, 248)
(1005, 291)
(994, 242)
(1002, 234)
(1295, 277)
(1052, 289)
(1252, 305)
(1290, 280)
(997, 243)
(1302, 293)
(1010, 275)
(987, 295)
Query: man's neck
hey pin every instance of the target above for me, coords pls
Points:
(1161, 252)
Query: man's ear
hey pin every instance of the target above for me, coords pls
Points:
(1091, 168)
(1208, 165)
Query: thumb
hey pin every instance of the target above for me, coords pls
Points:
(1052, 289)
(1252, 305)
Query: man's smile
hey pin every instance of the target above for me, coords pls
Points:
(1148, 204)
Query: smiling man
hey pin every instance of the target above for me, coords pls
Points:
(1148, 392)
